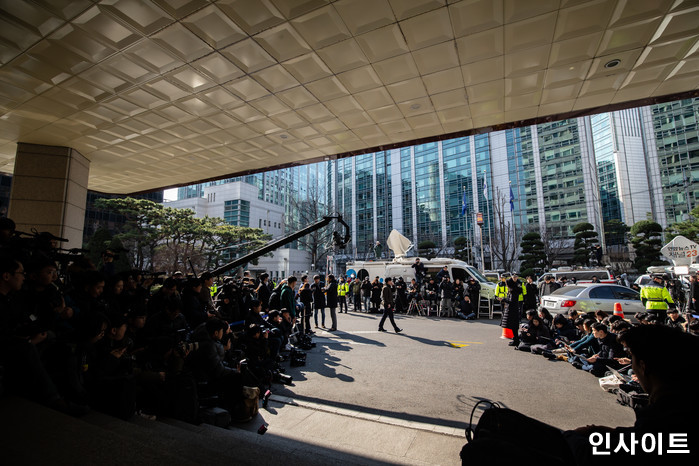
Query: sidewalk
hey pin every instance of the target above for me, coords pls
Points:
(368, 438)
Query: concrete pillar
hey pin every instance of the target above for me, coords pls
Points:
(49, 191)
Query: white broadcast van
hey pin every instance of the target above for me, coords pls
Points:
(401, 266)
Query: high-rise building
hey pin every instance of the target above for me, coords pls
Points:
(671, 138)
(627, 165)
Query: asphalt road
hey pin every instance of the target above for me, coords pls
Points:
(420, 375)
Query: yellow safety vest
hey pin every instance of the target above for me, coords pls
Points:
(342, 289)
(501, 290)
(656, 297)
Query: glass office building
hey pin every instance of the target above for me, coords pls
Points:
(626, 165)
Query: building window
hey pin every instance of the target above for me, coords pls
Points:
(237, 212)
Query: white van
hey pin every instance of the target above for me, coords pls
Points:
(402, 267)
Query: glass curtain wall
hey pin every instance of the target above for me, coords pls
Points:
(456, 159)
(406, 192)
(429, 197)
(676, 134)
(602, 137)
(562, 177)
(384, 213)
(364, 183)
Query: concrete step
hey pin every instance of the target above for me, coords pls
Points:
(32, 434)
(297, 435)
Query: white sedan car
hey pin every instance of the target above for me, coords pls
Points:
(593, 297)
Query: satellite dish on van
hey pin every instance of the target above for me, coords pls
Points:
(398, 243)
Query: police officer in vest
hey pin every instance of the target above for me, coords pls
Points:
(656, 297)
(342, 290)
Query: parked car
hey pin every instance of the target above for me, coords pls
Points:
(581, 275)
(592, 297)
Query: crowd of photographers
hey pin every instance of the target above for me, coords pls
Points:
(589, 341)
(132, 343)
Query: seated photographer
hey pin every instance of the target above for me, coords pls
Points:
(536, 337)
(564, 329)
(112, 388)
(193, 308)
(207, 361)
(43, 298)
(87, 296)
(619, 326)
(432, 293)
(609, 350)
(674, 319)
(587, 344)
(465, 309)
(228, 302)
(546, 317)
(114, 298)
(257, 353)
(71, 360)
(663, 375)
(156, 303)
(135, 331)
(24, 373)
(278, 337)
(168, 322)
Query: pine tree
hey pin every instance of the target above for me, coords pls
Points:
(533, 256)
(646, 238)
(585, 240)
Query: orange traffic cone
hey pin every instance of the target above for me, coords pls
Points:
(507, 333)
(618, 311)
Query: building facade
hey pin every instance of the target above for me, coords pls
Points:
(274, 202)
(624, 166)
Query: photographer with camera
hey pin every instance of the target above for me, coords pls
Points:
(207, 361)
(112, 387)
(264, 291)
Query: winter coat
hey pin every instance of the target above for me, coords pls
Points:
(331, 294)
(318, 295)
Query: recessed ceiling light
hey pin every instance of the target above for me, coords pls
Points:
(612, 63)
(414, 106)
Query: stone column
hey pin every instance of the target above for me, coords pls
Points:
(49, 191)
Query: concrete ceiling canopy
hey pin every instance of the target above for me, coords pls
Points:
(176, 92)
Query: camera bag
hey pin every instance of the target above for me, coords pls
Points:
(500, 434)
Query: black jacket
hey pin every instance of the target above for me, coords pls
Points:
(318, 295)
(331, 294)
(610, 348)
(446, 290)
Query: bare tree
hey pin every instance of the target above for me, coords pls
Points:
(308, 208)
(505, 244)
(555, 247)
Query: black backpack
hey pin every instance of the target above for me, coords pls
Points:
(499, 433)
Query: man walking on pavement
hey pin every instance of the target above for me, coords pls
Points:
(387, 298)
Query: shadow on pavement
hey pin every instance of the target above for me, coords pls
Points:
(382, 412)
(426, 341)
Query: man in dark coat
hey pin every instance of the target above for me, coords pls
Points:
(318, 300)
(387, 298)
(473, 290)
(446, 290)
(287, 296)
(510, 313)
(532, 296)
(331, 297)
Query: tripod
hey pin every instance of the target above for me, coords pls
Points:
(416, 306)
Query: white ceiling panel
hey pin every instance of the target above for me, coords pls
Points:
(160, 92)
